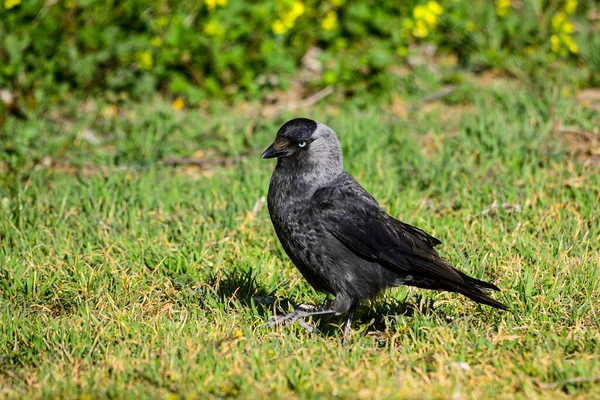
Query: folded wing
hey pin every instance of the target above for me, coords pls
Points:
(354, 218)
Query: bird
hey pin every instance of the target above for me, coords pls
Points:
(338, 236)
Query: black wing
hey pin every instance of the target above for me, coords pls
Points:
(352, 216)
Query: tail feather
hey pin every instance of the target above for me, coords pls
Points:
(472, 288)
(475, 290)
(481, 285)
(480, 297)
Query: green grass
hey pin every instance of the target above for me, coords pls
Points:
(121, 276)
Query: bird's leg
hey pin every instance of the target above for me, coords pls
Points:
(297, 315)
(348, 325)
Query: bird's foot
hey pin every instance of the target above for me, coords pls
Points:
(298, 315)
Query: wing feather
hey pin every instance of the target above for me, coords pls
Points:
(355, 218)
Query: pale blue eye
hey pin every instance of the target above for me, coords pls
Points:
(301, 144)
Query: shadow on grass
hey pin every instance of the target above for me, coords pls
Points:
(243, 289)
(236, 286)
(374, 317)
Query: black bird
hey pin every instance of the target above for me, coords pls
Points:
(338, 236)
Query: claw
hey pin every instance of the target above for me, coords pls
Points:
(307, 327)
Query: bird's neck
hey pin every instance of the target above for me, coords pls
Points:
(305, 179)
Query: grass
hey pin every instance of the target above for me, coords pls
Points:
(122, 276)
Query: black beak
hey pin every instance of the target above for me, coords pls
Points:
(272, 152)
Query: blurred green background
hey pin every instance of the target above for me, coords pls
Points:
(198, 50)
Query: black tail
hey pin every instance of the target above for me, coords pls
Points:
(475, 290)
(482, 285)
(470, 287)
(480, 297)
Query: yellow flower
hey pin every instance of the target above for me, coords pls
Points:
(330, 21)
(8, 4)
(428, 16)
(502, 7)
(570, 7)
(570, 43)
(211, 4)
(238, 333)
(470, 26)
(435, 7)
(565, 91)
(144, 59)
(278, 27)
(567, 27)
(212, 28)
(420, 30)
(156, 41)
(558, 20)
(430, 19)
(555, 43)
(297, 9)
(419, 12)
(222, 3)
(288, 20)
(178, 103)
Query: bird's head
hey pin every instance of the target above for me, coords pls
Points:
(306, 143)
